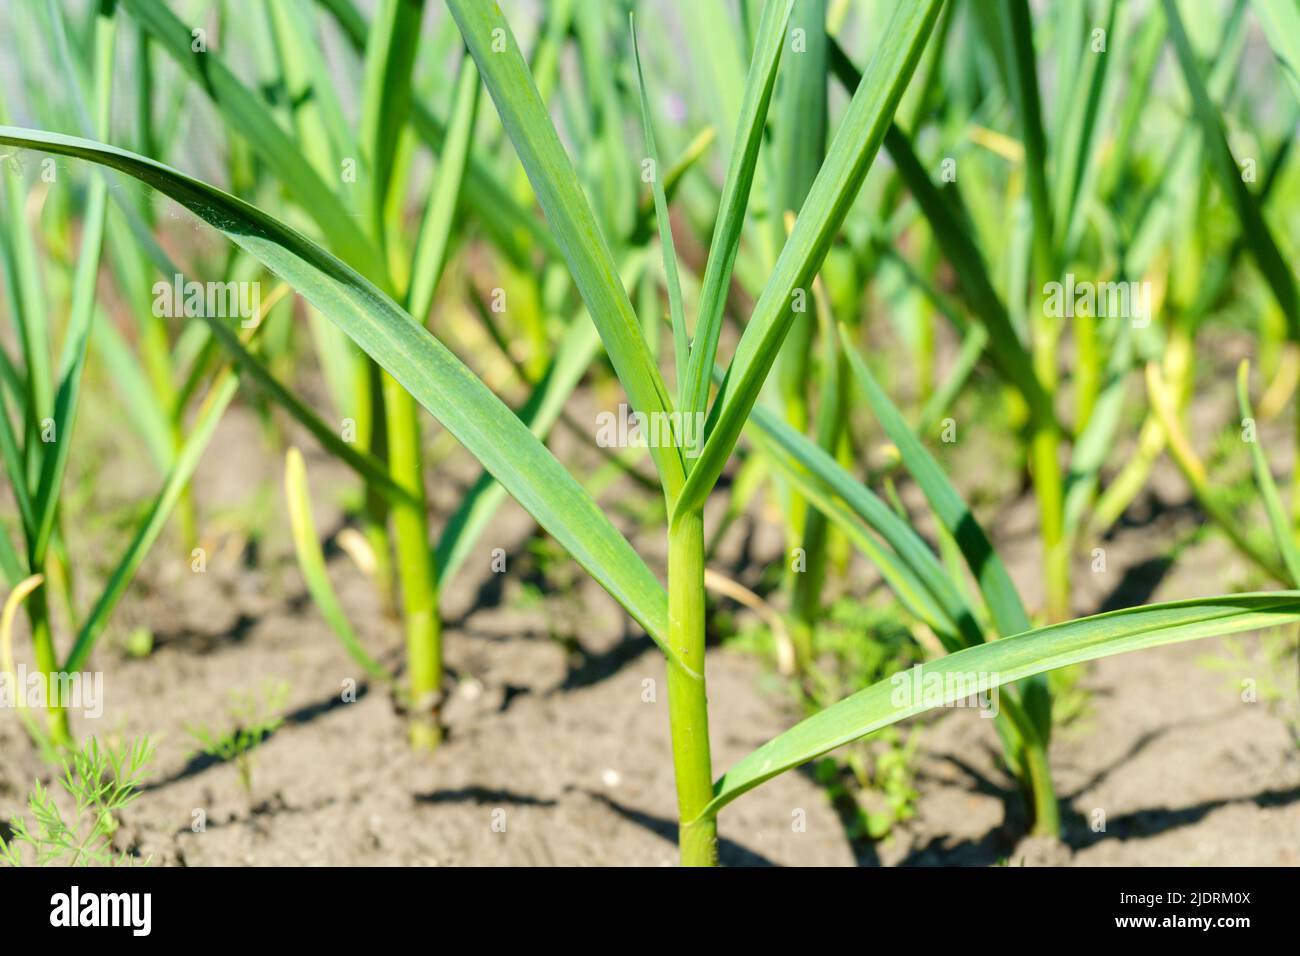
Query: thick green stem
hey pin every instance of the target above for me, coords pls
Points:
(1028, 755)
(38, 613)
(688, 710)
(1088, 370)
(187, 516)
(416, 569)
(1045, 451)
(156, 352)
(792, 375)
(386, 97)
(1046, 468)
(1295, 476)
(805, 598)
(372, 434)
(1042, 798)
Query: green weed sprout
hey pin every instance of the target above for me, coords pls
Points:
(100, 781)
(256, 716)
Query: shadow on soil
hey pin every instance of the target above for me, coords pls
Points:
(730, 853)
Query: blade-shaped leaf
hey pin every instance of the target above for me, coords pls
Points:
(424, 367)
(435, 230)
(385, 102)
(849, 502)
(954, 236)
(850, 155)
(497, 210)
(312, 563)
(668, 248)
(246, 114)
(1075, 150)
(577, 233)
(1017, 46)
(1278, 521)
(735, 197)
(182, 469)
(958, 676)
(1257, 233)
(1281, 20)
(577, 349)
(913, 591)
(995, 583)
(55, 461)
(323, 132)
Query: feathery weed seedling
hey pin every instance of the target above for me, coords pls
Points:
(858, 646)
(255, 716)
(99, 781)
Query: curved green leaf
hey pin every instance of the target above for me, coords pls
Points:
(312, 563)
(850, 156)
(246, 114)
(735, 197)
(498, 212)
(577, 233)
(577, 349)
(910, 568)
(1277, 517)
(448, 184)
(1001, 662)
(1258, 235)
(667, 248)
(424, 367)
(995, 583)
(1281, 19)
(146, 534)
